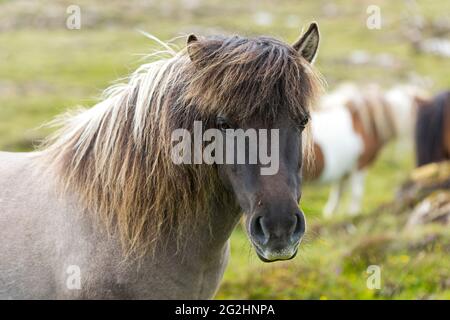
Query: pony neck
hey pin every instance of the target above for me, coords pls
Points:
(374, 114)
(209, 238)
(402, 106)
(387, 130)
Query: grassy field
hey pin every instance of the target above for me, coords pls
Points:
(46, 68)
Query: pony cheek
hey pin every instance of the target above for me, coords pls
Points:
(231, 183)
(242, 198)
(224, 177)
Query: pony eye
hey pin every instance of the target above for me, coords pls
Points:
(223, 124)
(304, 122)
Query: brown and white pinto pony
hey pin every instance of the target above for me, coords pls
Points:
(432, 136)
(359, 122)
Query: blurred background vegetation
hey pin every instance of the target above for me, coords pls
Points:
(46, 68)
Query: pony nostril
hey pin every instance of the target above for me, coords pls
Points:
(260, 233)
(300, 227)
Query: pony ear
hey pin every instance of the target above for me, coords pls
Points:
(308, 44)
(192, 38)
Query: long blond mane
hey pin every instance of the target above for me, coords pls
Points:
(116, 155)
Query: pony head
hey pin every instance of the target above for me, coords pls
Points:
(259, 86)
(117, 155)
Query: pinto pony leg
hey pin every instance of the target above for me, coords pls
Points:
(334, 198)
(357, 182)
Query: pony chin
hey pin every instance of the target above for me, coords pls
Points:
(273, 256)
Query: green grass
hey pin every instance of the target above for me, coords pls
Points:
(45, 70)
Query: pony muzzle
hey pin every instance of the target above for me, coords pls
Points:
(277, 237)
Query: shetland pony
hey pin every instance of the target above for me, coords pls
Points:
(102, 211)
(359, 122)
(432, 136)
